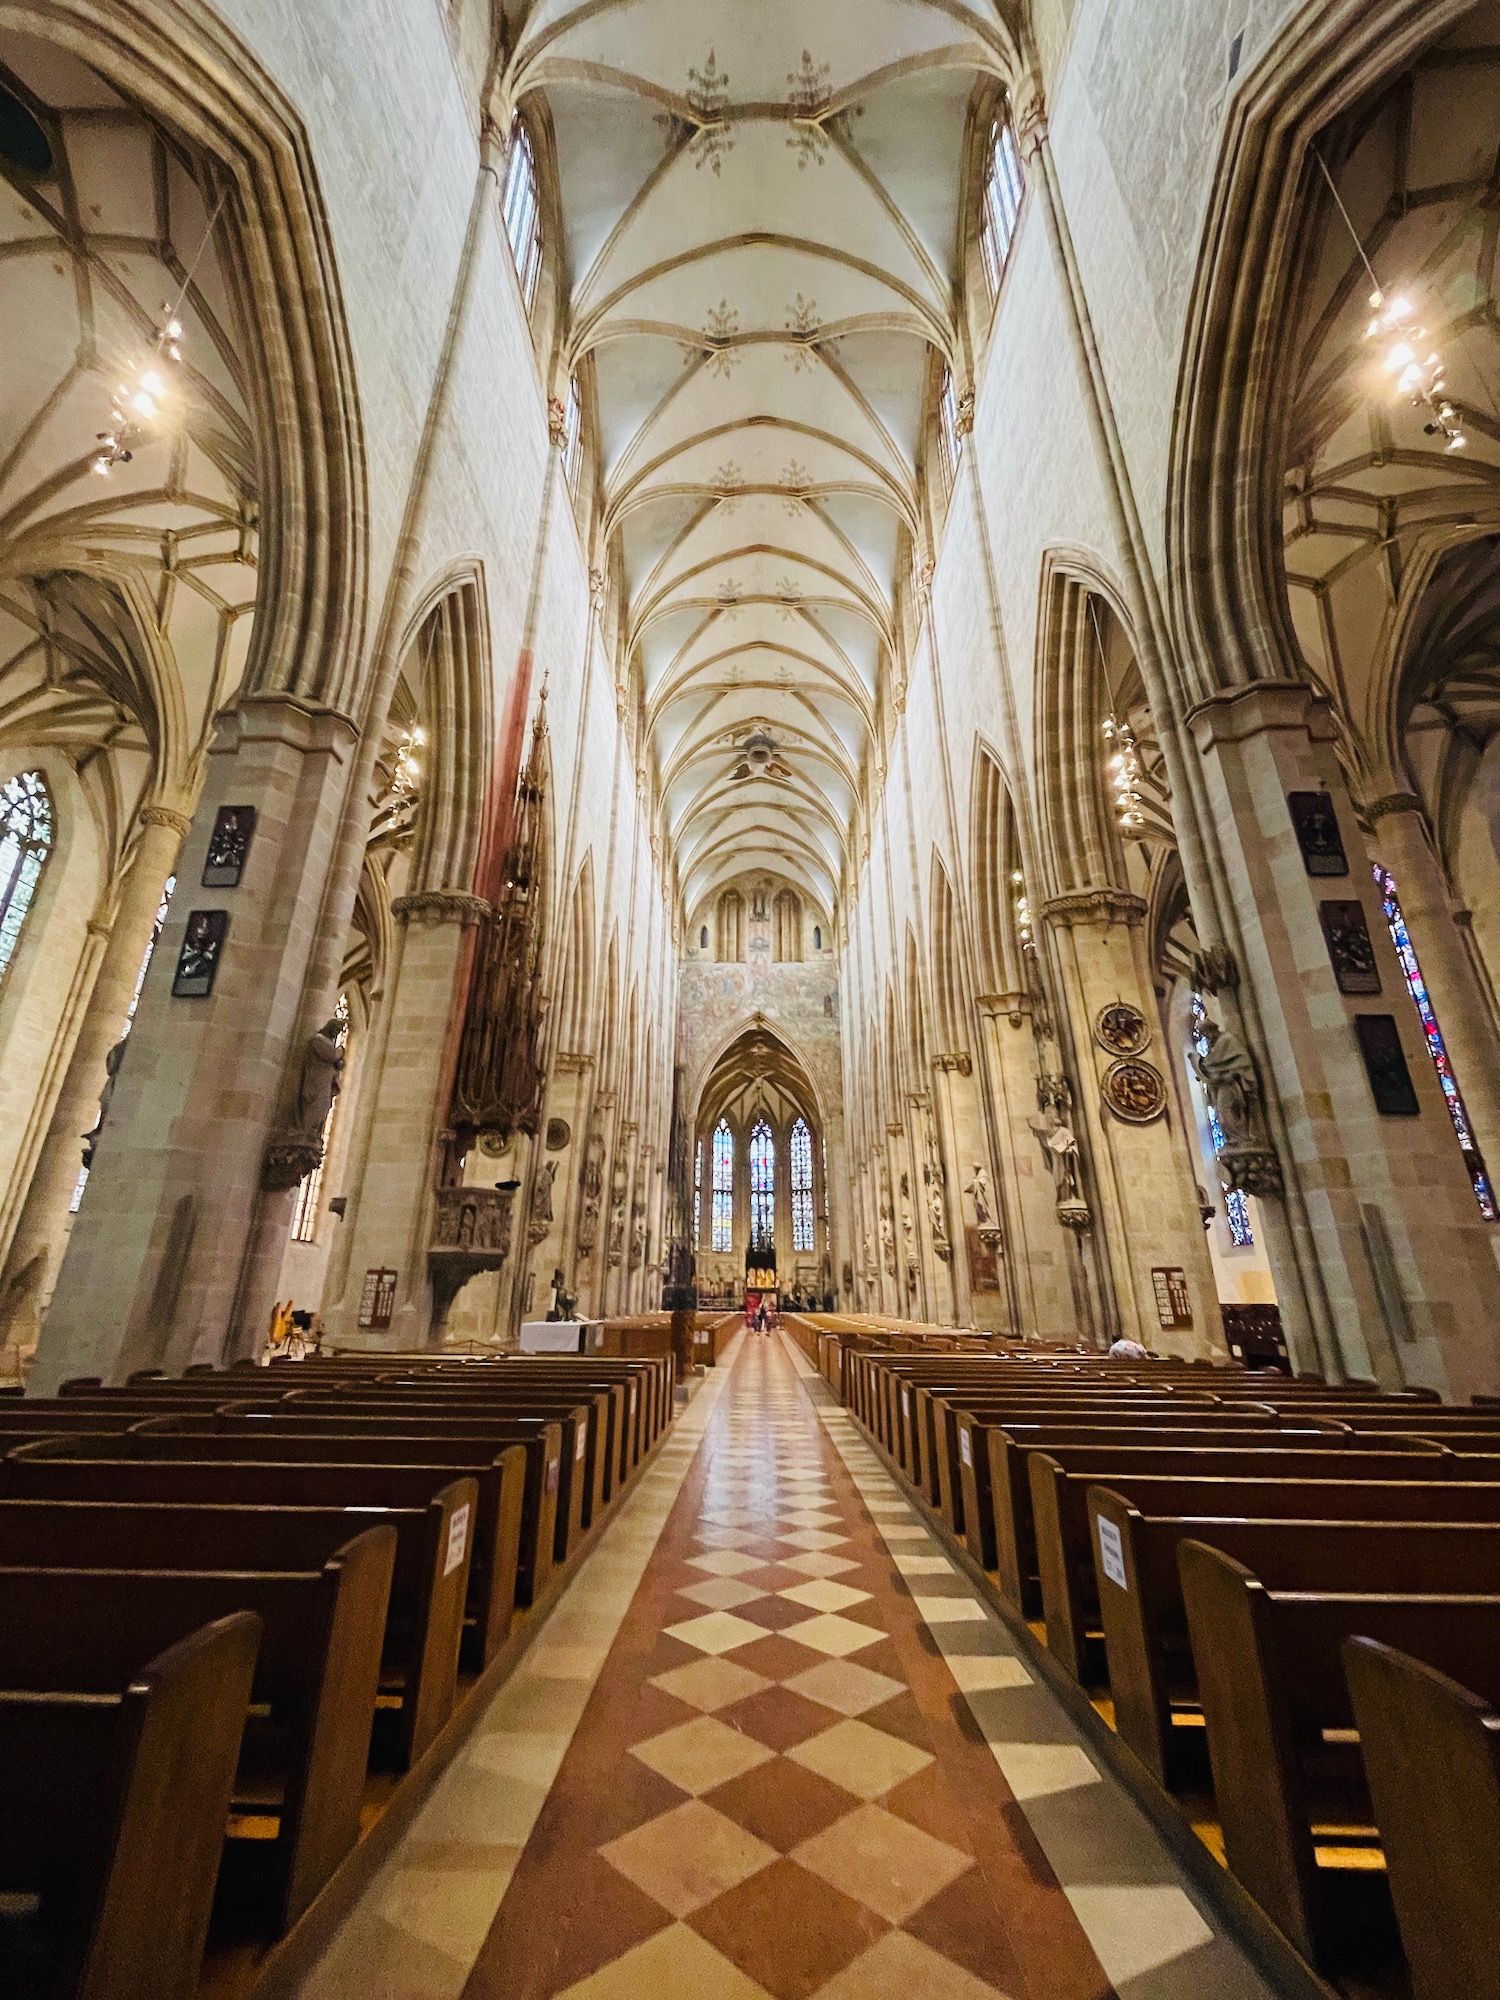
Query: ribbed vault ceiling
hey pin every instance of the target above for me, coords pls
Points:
(761, 211)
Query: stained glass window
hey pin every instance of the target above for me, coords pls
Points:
(305, 1216)
(948, 426)
(762, 1187)
(1236, 1203)
(698, 1196)
(1484, 1194)
(521, 209)
(802, 1187)
(135, 1001)
(1004, 185)
(723, 1188)
(572, 435)
(25, 842)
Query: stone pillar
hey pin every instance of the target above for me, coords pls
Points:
(156, 1270)
(939, 1283)
(1144, 1193)
(965, 1145)
(1390, 1225)
(1399, 841)
(41, 1232)
(1039, 1249)
(388, 1221)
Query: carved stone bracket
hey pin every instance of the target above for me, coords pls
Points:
(1075, 1215)
(289, 1159)
(573, 1062)
(1251, 1170)
(1016, 1005)
(959, 1060)
(441, 906)
(1096, 906)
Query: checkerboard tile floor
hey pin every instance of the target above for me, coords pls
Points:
(808, 1763)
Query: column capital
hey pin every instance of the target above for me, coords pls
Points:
(573, 1062)
(956, 1059)
(168, 816)
(1016, 1005)
(1031, 120)
(1096, 906)
(1236, 714)
(441, 906)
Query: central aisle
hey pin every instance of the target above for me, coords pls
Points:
(809, 1763)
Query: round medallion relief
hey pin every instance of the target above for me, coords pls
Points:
(1134, 1091)
(1122, 1029)
(559, 1132)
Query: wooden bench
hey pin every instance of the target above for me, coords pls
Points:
(1431, 1752)
(1152, 1676)
(301, 1774)
(49, 1471)
(1297, 1821)
(1064, 1540)
(112, 1825)
(429, 1579)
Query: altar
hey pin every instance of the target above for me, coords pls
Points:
(562, 1336)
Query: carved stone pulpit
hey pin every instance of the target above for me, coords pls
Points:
(470, 1234)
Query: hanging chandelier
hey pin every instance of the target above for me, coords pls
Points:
(1407, 355)
(138, 401)
(1022, 910)
(1124, 767)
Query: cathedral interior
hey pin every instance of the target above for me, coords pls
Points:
(750, 789)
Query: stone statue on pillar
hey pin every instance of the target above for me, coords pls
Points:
(1226, 1069)
(297, 1147)
(111, 1071)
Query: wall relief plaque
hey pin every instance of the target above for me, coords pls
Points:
(1135, 1091)
(1122, 1029)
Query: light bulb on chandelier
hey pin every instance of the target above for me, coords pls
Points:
(1124, 768)
(1415, 363)
(1023, 910)
(138, 401)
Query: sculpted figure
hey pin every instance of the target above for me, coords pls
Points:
(1229, 1081)
(977, 1187)
(541, 1201)
(318, 1082)
(111, 1072)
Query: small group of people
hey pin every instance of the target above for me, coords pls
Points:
(762, 1319)
(294, 1335)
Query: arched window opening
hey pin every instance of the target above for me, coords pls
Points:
(698, 1195)
(1236, 1203)
(1004, 185)
(520, 207)
(817, 937)
(572, 450)
(731, 927)
(788, 928)
(1432, 1034)
(802, 1186)
(762, 1188)
(305, 1216)
(723, 1188)
(26, 828)
(948, 427)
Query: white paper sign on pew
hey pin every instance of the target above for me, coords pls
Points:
(1111, 1553)
(458, 1539)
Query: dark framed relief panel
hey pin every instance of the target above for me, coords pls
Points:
(1346, 932)
(228, 847)
(1316, 825)
(198, 960)
(1385, 1065)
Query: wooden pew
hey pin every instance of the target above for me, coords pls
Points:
(1431, 1752)
(47, 1471)
(1288, 1783)
(429, 1580)
(1045, 1554)
(113, 1814)
(1152, 1676)
(303, 1759)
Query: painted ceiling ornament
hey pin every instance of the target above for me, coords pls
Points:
(720, 326)
(808, 97)
(708, 100)
(729, 484)
(1135, 1091)
(797, 479)
(1122, 1029)
(788, 596)
(804, 326)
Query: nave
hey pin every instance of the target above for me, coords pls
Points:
(771, 1742)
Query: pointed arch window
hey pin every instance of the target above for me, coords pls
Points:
(762, 1187)
(802, 1186)
(521, 210)
(698, 1196)
(1004, 185)
(1437, 1048)
(572, 451)
(948, 435)
(26, 832)
(723, 1187)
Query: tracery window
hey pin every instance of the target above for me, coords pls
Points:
(572, 435)
(1432, 1034)
(762, 1187)
(948, 427)
(723, 1187)
(802, 1186)
(1004, 185)
(521, 210)
(698, 1196)
(1236, 1204)
(25, 843)
(305, 1216)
